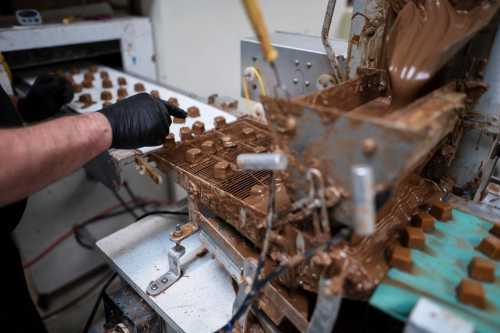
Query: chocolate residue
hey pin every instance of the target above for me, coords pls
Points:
(425, 37)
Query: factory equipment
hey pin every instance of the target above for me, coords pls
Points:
(351, 197)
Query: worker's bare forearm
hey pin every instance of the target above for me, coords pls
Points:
(33, 157)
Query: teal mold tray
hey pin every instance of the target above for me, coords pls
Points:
(438, 270)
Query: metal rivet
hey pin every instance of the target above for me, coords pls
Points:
(309, 64)
(307, 83)
(154, 286)
(164, 280)
(295, 80)
(297, 62)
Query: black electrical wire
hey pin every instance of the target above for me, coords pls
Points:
(123, 203)
(77, 299)
(261, 283)
(134, 198)
(159, 212)
(86, 328)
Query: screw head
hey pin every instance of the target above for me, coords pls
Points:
(164, 280)
(309, 64)
(295, 81)
(307, 83)
(297, 62)
(154, 286)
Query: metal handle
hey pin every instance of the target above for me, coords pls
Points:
(254, 13)
(266, 161)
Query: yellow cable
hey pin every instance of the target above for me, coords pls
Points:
(260, 81)
(246, 93)
(262, 86)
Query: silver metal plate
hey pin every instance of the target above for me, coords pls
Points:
(202, 298)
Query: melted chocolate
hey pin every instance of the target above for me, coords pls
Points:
(424, 38)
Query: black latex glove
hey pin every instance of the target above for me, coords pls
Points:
(45, 98)
(141, 120)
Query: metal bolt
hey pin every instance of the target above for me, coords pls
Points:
(369, 146)
(295, 81)
(309, 64)
(307, 83)
(178, 231)
(164, 280)
(154, 286)
(297, 62)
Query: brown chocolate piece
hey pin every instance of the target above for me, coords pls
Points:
(490, 246)
(87, 84)
(85, 98)
(414, 238)
(482, 269)
(176, 120)
(441, 211)
(221, 169)
(495, 230)
(93, 68)
(423, 221)
(472, 293)
(139, 87)
(219, 122)
(104, 75)
(88, 76)
(248, 132)
(106, 104)
(198, 127)
(76, 87)
(208, 147)
(259, 149)
(186, 133)
(106, 95)
(74, 70)
(193, 112)
(258, 197)
(122, 92)
(227, 141)
(107, 83)
(401, 258)
(169, 142)
(155, 93)
(192, 155)
(173, 101)
(122, 81)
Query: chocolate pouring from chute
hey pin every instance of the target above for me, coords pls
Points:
(424, 38)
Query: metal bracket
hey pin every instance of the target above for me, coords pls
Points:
(159, 285)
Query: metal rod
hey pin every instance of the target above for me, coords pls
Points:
(363, 196)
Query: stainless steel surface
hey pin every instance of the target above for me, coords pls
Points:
(301, 62)
(200, 301)
(429, 317)
(326, 310)
(476, 145)
(161, 284)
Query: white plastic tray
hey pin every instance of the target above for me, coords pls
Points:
(207, 112)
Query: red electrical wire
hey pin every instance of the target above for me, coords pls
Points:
(70, 232)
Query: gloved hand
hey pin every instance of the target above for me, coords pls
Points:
(141, 120)
(45, 98)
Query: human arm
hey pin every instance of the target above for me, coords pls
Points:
(33, 157)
